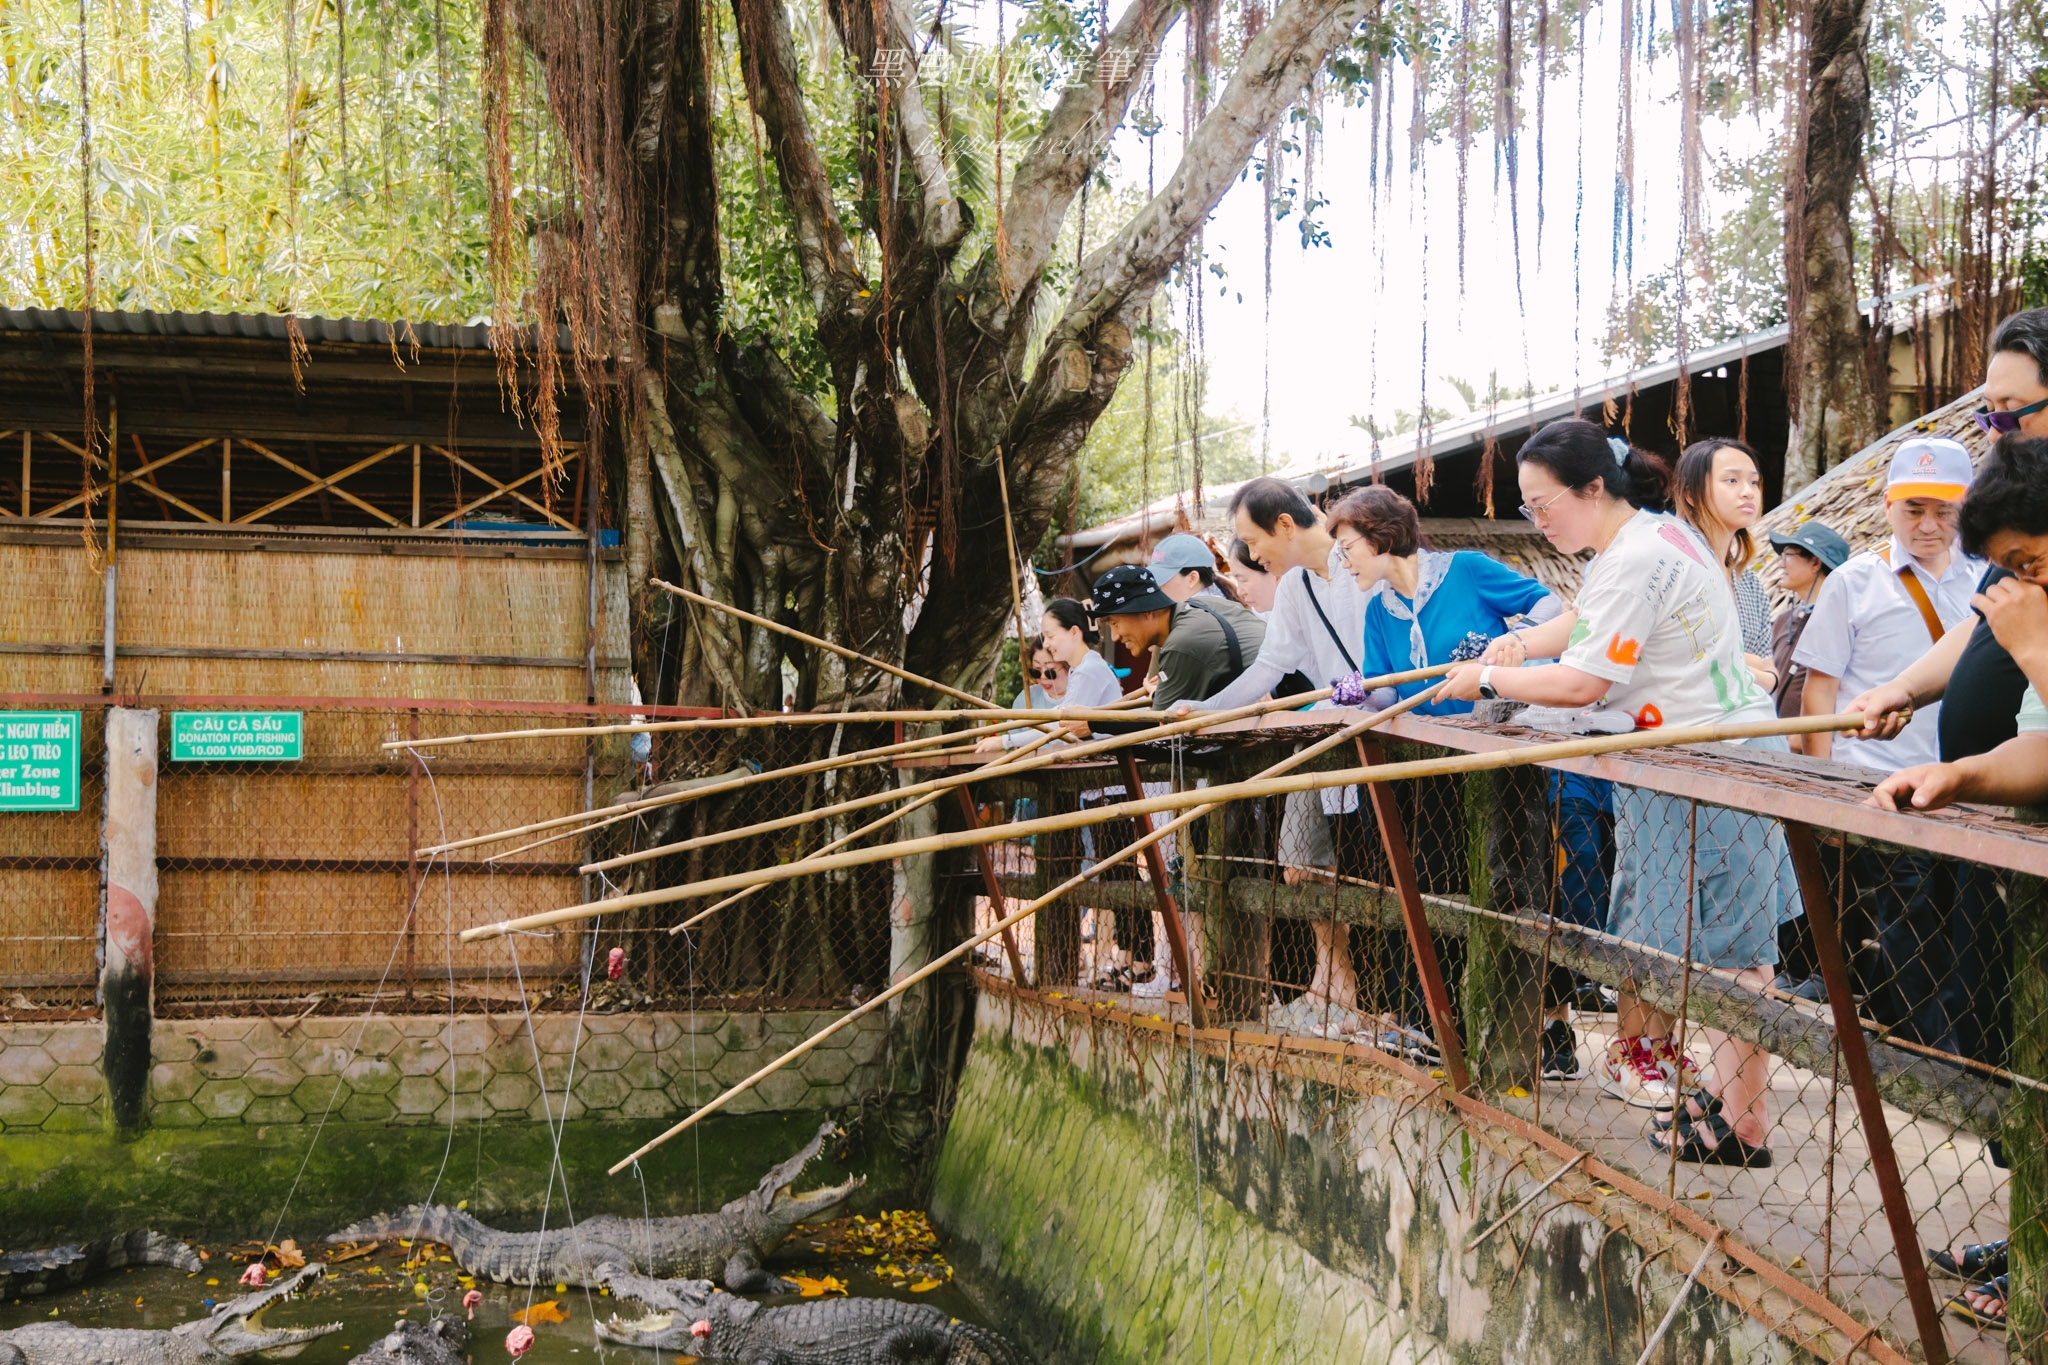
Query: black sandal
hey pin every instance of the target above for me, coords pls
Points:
(1999, 1287)
(1718, 1147)
(1117, 980)
(1708, 1105)
(1979, 1261)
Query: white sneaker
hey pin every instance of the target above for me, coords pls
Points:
(1630, 1071)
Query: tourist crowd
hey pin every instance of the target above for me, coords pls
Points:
(1938, 636)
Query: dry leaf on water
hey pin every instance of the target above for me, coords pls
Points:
(288, 1254)
(922, 1285)
(351, 1253)
(548, 1310)
(811, 1289)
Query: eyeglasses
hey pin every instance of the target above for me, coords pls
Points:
(2005, 423)
(1048, 674)
(1538, 511)
(1345, 544)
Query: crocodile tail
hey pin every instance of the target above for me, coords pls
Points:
(153, 1248)
(418, 1222)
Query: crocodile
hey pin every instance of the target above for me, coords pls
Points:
(440, 1342)
(729, 1244)
(25, 1274)
(692, 1318)
(232, 1330)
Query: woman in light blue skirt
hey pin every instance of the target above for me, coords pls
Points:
(1656, 635)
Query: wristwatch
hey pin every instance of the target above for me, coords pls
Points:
(1486, 684)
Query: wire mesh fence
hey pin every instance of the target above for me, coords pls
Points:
(1609, 951)
(305, 881)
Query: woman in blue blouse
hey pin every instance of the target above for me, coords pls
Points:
(1422, 604)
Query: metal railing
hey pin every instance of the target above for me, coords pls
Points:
(1890, 1055)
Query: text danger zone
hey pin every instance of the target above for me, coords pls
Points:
(39, 760)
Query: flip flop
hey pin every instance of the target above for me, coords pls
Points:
(1708, 1104)
(1718, 1147)
(2000, 1285)
(1979, 1261)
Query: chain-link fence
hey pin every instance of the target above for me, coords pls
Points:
(302, 884)
(1611, 938)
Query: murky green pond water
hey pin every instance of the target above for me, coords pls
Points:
(369, 1294)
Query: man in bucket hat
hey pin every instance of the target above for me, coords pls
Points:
(1198, 645)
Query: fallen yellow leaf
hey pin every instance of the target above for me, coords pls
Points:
(923, 1285)
(547, 1310)
(811, 1289)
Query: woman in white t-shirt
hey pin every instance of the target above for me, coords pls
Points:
(1656, 635)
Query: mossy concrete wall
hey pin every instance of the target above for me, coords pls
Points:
(236, 1104)
(415, 1069)
(1331, 1221)
(219, 1184)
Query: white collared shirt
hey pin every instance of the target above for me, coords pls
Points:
(1865, 630)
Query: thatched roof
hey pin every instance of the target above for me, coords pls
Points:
(1850, 497)
(1517, 544)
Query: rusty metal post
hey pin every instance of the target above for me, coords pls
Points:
(984, 858)
(1402, 865)
(1169, 909)
(1855, 1054)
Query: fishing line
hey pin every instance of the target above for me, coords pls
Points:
(448, 956)
(362, 1026)
(548, 1111)
(1176, 780)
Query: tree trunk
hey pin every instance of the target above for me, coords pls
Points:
(870, 516)
(1833, 411)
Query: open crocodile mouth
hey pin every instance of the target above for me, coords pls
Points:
(788, 1203)
(653, 1329)
(241, 1331)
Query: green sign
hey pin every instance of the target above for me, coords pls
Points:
(236, 737)
(39, 760)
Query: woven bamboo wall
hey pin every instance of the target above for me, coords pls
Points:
(278, 876)
(482, 605)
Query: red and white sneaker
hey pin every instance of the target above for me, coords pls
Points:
(1682, 1072)
(1630, 1072)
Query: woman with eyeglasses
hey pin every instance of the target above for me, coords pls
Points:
(1656, 637)
(1422, 604)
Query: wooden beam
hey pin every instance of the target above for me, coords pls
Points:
(499, 492)
(506, 488)
(315, 483)
(135, 475)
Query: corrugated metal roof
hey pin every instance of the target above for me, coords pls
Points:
(260, 327)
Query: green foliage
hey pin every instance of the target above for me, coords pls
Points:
(236, 170)
(1116, 474)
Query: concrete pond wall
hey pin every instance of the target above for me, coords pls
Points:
(1331, 1220)
(235, 1103)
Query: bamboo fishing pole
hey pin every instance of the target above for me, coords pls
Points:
(589, 820)
(1591, 746)
(843, 840)
(1008, 922)
(841, 650)
(986, 715)
(1198, 721)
